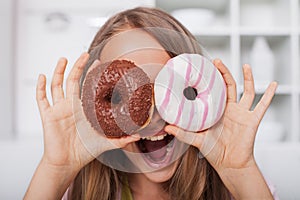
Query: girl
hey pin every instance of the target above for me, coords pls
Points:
(229, 169)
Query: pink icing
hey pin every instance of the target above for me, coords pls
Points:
(187, 80)
(200, 74)
(203, 96)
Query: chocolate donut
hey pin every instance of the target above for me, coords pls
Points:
(117, 98)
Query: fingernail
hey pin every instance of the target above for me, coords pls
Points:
(246, 65)
(85, 55)
(40, 77)
(275, 84)
(170, 129)
(218, 62)
(136, 136)
(96, 61)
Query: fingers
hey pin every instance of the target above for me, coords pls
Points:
(249, 91)
(41, 96)
(57, 81)
(265, 101)
(229, 80)
(195, 139)
(74, 76)
(97, 143)
(125, 140)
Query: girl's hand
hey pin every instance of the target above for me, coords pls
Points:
(228, 145)
(63, 145)
(65, 150)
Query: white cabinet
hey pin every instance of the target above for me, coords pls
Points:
(40, 45)
(265, 14)
(232, 39)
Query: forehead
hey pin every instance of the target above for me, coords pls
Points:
(139, 47)
(135, 45)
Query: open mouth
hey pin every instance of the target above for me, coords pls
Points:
(157, 150)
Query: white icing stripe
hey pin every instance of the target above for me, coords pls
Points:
(166, 100)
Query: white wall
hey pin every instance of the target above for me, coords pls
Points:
(6, 86)
(19, 159)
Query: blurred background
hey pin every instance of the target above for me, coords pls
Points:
(263, 33)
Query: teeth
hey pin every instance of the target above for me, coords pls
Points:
(155, 138)
(169, 146)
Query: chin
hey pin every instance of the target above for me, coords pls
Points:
(164, 174)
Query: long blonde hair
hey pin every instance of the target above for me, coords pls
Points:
(194, 178)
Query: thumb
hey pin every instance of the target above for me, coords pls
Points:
(192, 138)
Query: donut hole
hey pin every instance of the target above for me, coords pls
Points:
(112, 96)
(107, 95)
(190, 93)
(116, 97)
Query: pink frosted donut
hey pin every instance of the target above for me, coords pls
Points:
(190, 92)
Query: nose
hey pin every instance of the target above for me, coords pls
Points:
(156, 117)
(156, 125)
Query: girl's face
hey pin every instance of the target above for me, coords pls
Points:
(141, 48)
